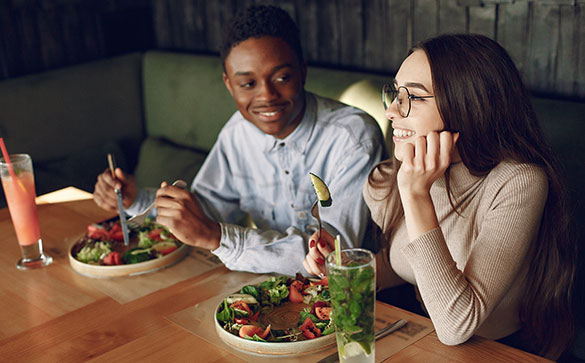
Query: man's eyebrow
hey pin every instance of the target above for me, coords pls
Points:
(275, 69)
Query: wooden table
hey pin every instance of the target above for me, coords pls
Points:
(54, 315)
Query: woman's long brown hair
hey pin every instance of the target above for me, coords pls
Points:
(480, 94)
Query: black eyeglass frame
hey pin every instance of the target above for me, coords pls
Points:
(388, 88)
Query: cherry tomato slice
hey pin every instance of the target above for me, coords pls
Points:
(309, 329)
(323, 312)
(294, 294)
(251, 330)
(239, 304)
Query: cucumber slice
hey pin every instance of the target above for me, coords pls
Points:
(321, 190)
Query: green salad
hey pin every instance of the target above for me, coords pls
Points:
(241, 313)
(103, 244)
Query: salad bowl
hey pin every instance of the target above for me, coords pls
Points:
(284, 318)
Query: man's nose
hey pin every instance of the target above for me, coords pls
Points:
(267, 90)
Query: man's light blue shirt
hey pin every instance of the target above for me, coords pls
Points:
(250, 172)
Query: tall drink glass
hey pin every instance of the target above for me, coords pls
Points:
(19, 188)
(352, 286)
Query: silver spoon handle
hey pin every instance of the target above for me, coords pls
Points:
(389, 329)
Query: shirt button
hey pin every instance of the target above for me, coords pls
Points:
(302, 215)
(286, 172)
(282, 144)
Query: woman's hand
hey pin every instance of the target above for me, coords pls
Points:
(424, 162)
(181, 213)
(314, 262)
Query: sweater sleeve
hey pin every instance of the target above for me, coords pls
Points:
(459, 301)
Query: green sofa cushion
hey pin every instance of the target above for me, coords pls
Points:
(185, 100)
(161, 160)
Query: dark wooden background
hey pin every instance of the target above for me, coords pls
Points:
(546, 38)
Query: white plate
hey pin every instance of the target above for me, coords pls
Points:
(282, 315)
(139, 268)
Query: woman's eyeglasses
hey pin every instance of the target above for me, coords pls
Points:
(401, 95)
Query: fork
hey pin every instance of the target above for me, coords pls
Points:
(139, 219)
(315, 213)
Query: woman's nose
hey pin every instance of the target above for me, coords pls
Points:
(392, 111)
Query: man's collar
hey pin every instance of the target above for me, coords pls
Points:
(299, 138)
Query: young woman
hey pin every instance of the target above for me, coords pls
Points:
(472, 208)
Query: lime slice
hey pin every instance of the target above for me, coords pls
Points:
(321, 189)
(354, 349)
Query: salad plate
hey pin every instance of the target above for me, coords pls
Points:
(101, 252)
(281, 316)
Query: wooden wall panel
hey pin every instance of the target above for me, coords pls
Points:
(543, 45)
(426, 19)
(218, 13)
(351, 30)
(398, 29)
(567, 56)
(375, 35)
(546, 38)
(482, 20)
(307, 20)
(162, 27)
(452, 17)
(328, 34)
(512, 30)
(580, 40)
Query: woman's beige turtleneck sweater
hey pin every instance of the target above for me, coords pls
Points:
(470, 271)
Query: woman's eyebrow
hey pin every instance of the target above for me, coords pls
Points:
(417, 85)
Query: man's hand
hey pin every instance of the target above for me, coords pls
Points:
(105, 196)
(181, 213)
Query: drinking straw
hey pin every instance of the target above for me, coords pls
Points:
(7, 158)
(338, 250)
(9, 165)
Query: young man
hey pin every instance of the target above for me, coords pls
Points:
(261, 160)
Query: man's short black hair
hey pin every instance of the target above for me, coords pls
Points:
(257, 21)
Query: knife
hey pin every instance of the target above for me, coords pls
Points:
(121, 213)
(334, 357)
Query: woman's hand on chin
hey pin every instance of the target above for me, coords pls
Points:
(424, 162)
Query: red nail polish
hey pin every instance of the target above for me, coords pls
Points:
(320, 261)
(312, 243)
(322, 243)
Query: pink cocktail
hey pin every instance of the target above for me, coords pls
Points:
(19, 189)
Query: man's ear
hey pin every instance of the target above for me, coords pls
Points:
(304, 73)
(226, 81)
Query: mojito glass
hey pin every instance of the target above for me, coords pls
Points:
(19, 188)
(352, 286)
